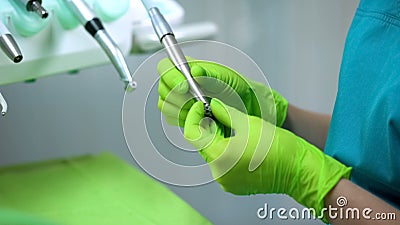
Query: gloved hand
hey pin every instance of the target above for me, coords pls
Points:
(261, 158)
(258, 99)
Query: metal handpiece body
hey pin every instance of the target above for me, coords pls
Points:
(167, 38)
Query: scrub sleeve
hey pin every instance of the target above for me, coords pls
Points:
(365, 126)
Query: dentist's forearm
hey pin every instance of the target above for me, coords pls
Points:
(371, 209)
(309, 125)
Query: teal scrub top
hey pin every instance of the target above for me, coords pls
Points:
(365, 126)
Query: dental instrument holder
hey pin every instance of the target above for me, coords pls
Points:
(167, 38)
(59, 44)
(94, 27)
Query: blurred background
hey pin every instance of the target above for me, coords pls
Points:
(297, 44)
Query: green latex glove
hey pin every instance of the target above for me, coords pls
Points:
(219, 81)
(10, 217)
(261, 158)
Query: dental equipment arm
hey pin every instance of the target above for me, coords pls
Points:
(9, 45)
(167, 38)
(94, 26)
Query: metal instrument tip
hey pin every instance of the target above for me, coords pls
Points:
(3, 105)
(37, 7)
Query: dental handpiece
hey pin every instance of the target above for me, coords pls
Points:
(9, 45)
(167, 38)
(95, 27)
(3, 105)
(35, 6)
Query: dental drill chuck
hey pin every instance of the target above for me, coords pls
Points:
(167, 38)
(36, 6)
(94, 27)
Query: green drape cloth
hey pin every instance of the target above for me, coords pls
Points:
(87, 190)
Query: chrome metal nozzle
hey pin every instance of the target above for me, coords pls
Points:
(10, 48)
(116, 57)
(36, 6)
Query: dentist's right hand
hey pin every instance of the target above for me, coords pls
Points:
(261, 158)
(216, 80)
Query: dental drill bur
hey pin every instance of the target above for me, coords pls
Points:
(167, 38)
(3, 105)
(94, 26)
(35, 6)
(9, 45)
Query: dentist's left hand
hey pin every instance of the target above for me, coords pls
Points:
(218, 81)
